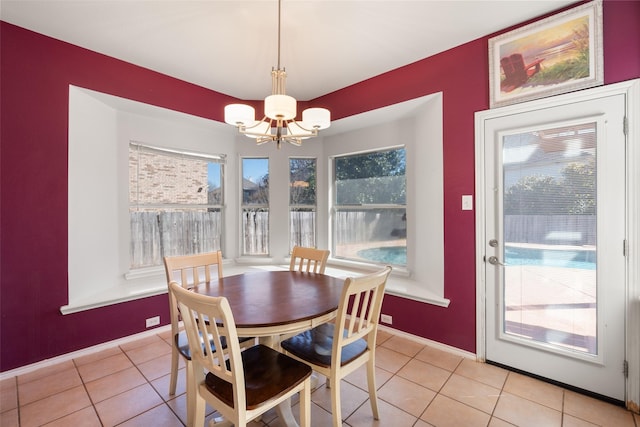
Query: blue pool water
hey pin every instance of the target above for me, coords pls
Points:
(396, 255)
(583, 259)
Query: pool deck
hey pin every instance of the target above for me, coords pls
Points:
(552, 304)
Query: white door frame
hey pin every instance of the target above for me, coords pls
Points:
(631, 89)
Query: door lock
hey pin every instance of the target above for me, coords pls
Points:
(493, 243)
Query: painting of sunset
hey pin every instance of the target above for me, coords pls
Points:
(552, 56)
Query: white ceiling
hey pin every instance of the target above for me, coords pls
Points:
(230, 46)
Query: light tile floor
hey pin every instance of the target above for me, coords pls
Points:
(418, 386)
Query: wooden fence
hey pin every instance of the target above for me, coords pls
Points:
(576, 230)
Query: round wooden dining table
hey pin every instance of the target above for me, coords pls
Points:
(271, 303)
(268, 304)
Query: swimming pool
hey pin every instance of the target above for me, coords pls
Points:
(396, 255)
(579, 258)
(568, 258)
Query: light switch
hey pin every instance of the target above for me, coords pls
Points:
(467, 202)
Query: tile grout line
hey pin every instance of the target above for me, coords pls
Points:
(86, 390)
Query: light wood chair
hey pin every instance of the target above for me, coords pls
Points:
(241, 385)
(310, 260)
(189, 271)
(336, 350)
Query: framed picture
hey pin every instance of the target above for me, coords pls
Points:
(555, 55)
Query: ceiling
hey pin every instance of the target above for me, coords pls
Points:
(230, 46)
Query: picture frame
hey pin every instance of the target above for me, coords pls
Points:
(558, 54)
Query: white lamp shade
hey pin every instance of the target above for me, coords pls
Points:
(316, 118)
(258, 129)
(239, 114)
(280, 107)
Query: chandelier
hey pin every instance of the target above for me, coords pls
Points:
(278, 123)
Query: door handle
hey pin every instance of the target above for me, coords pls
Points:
(494, 260)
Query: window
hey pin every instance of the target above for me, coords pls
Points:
(369, 215)
(255, 206)
(302, 202)
(175, 203)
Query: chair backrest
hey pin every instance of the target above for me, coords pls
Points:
(198, 313)
(190, 270)
(310, 260)
(359, 310)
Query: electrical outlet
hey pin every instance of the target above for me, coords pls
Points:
(385, 318)
(153, 321)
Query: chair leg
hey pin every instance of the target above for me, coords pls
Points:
(192, 394)
(336, 407)
(174, 370)
(199, 409)
(305, 404)
(371, 382)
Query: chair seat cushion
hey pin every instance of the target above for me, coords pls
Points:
(267, 375)
(182, 344)
(315, 346)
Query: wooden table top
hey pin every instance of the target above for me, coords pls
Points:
(269, 299)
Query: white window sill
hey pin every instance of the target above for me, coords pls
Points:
(398, 284)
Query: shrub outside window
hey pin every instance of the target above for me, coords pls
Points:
(175, 203)
(302, 202)
(369, 212)
(255, 206)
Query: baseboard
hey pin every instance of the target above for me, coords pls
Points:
(430, 343)
(79, 353)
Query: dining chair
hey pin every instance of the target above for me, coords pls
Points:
(337, 349)
(189, 271)
(240, 385)
(310, 260)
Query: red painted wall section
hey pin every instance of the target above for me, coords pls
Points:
(621, 40)
(36, 72)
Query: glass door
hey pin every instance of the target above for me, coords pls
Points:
(555, 275)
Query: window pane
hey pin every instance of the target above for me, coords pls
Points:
(371, 178)
(371, 235)
(302, 201)
(255, 206)
(175, 204)
(255, 181)
(302, 182)
(550, 224)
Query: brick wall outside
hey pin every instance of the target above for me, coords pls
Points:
(166, 179)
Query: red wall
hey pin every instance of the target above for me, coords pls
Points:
(36, 72)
